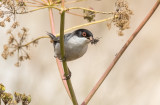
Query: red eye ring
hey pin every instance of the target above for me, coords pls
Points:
(84, 34)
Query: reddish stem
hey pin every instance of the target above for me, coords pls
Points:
(87, 99)
(59, 64)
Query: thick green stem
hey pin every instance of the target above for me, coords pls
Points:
(59, 64)
(65, 67)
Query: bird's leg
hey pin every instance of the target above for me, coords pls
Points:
(68, 76)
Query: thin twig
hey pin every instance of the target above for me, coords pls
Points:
(40, 9)
(27, 2)
(69, 29)
(74, 14)
(30, 6)
(75, 1)
(87, 24)
(89, 10)
(38, 2)
(45, 1)
(34, 40)
(92, 92)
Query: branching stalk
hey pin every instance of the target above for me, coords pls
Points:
(72, 28)
(55, 7)
(75, 1)
(90, 95)
(34, 40)
(91, 10)
(43, 7)
(87, 24)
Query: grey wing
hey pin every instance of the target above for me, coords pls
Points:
(66, 37)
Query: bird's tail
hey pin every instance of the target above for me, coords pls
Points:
(53, 37)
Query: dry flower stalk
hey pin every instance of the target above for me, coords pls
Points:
(8, 99)
(122, 16)
(14, 45)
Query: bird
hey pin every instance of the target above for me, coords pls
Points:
(75, 44)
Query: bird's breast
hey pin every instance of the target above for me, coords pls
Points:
(75, 47)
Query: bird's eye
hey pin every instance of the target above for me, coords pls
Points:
(84, 34)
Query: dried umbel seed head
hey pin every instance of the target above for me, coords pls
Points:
(8, 19)
(5, 52)
(17, 64)
(89, 15)
(2, 24)
(1, 14)
(25, 99)
(16, 44)
(6, 98)
(13, 102)
(122, 16)
(5, 47)
(21, 3)
(15, 24)
(11, 39)
(24, 29)
(17, 97)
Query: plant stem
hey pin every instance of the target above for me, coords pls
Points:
(69, 29)
(69, 2)
(43, 7)
(87, 24)
(65, 67)
(34, 40)
(87, 99)
(91, 10)
(59, 64)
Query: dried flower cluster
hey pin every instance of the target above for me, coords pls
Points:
(122, 16)
(7, 98)
(15, 43)
(9, 9)
(89, 15)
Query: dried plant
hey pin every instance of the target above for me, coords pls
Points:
(17, 42)
(122, 16)
(8, 99)
(89, 15)
(11, 8)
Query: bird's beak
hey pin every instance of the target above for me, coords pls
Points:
(91, 38)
